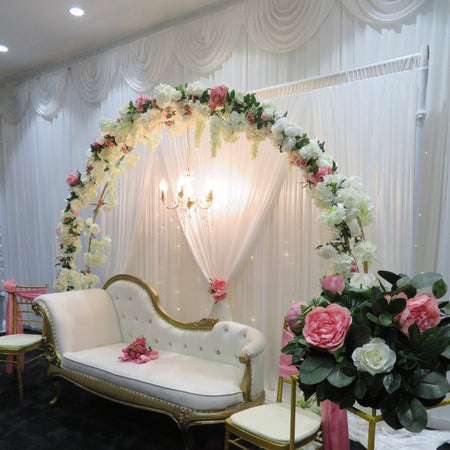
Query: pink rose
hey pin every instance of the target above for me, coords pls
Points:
(140, 103)
(295, 311)
(327, 327)
(423, 310)
(220, 295)
(217, 96)
(218, 284)
(72, 179)
(333, 283)
(9, 286)
(318, 176)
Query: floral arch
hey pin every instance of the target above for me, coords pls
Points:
(346, 209)
(357, 341)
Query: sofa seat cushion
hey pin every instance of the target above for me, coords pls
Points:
(187, 381)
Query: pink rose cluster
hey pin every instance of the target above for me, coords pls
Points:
(142, 102)
(72, 179)
(217, 97)
(138, 352)
(9, 286)
(423, 310)
(217, 289)
(327, 327)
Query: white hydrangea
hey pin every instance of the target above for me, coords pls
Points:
(279, 125)
(363, 281)
(325, 160)
(327, 251)
(293, 130)
(311, 151)
(94, 258)
(342, 264)
(101, 244)
(288, 144)
(365, 252)
(332, 216)
(75, 205)
(165, 94)
(195, 88)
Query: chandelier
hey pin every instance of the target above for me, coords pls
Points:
(185, 197)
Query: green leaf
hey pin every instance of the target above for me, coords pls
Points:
(425, 280)
(439, 288)
(396, 306)
(357, 336)
(446, 352)
(379, 306)
(391, 277)
(338, 378)
(315, 369)
(391, 382)
(403, 282)
(359, 388)
(373, 318)
(412, 415)
(432, 385)
(385, 319)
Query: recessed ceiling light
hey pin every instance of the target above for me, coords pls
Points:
(76, 11)
(3, 48)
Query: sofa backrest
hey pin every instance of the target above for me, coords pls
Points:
(140, 314)
(81, 319)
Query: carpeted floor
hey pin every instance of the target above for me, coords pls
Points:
(82, 421)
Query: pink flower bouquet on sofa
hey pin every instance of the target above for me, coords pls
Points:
(138, 352)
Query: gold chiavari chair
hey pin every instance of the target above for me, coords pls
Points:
(17, 343)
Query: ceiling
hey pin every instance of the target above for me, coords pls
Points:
(42, 35)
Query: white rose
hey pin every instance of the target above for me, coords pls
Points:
(363, 281)
(374, 357)
(195, 88)
(288, 144)
(75, 205)
(279, 125)
(94, 228)
(165, 94)
(293, 130)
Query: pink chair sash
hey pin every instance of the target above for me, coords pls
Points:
(334, 426)
(286, 367)
(29, 295)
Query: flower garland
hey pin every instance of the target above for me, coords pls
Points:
(345, 208)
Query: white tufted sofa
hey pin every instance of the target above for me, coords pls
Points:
(205, 371)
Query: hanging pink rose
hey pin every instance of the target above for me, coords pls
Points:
(423, 310)
(318, 176)
(217, 96)
(333, 283)
(72, 179)
(9, 286)
(220, 295)
(218, 284)
(327, 327)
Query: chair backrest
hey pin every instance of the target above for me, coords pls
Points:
(22, 313)
(286, 369)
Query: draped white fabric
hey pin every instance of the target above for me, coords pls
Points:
(220, 238)
(368, 126)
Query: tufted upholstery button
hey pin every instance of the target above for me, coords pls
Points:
(129, 298)
(201, 348)
(136, 318)
(149, 320)
(123, 316)
(185, 345)
(156, 340)
(218, 352)
(245, 335)
(170, 344)
(226, 330)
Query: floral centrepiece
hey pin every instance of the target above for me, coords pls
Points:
(385, 348)
(345, 208)
(138, 352)
(217, 289)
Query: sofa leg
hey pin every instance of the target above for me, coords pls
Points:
(188, 438)
(57, 388)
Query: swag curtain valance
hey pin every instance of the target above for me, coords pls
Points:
(201, 46)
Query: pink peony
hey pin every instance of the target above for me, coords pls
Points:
(327, 327)
(295, 311)
(9, 286)
(423, 310)
(333, 283)
(140, 103)
(217, 96)
(218, 284)
(72, 179)
(220, 295)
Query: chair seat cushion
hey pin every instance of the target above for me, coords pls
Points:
(188, 381)
(272, 422)
(16, 342)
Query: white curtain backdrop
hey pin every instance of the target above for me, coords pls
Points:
(367, 124)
